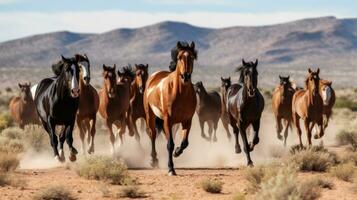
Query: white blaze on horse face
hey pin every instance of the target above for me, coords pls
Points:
(85, 67)
(326, 95)
(33, 91)
(74, 81)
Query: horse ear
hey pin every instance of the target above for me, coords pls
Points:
(104, 67)
(147, 66)
(329, 83)
(243, 62)
(20, 86)
(136, 66)
(280, 77)
(318, 70)
(309, 70)
(179, 46)
(222, 79)
(192, 45)
(289, 77)
(256, 63)
(114, 66)
(229, 78)
(85, 55)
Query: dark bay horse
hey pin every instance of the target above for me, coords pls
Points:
(281, 105)
(56, 102)
(245, 105)
(208, 110)
(169, 98)
(115, 99)
(225, 83)
(88, 104)
(308, 105)
(22, 108)
(136, 101)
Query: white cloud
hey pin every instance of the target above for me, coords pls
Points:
(8, 1)
(18, 24)
(214, 2)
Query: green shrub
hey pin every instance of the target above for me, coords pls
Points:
(103, 168)
(211, 185)
(345, 102)
(54, 193)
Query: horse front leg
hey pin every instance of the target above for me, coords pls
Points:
(186, 127)
(308, 130)
(81, 132)
(51, 128)
(109, 125)
(69, 139)
(202, 126)
(62, 138)
(92, 134)
(170, 145)
(279, 128)
(150, 122)
(256, 128)
(233, 123)
(242, 129)
(296, 120)
(286, 131)
(321, 129)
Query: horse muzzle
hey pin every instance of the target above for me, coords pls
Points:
(251, 92)
(75, 93)
(186, 77)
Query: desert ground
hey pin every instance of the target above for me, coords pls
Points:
(201, 160)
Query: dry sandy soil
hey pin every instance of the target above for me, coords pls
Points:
(201, 160)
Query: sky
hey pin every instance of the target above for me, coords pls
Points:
(20, 18)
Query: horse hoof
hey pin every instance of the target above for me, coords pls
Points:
(215, 139)
(74, 151)
(172, 173)
(238, 150)
(280, 137)
(72, 157)
(154, 164)
(57, 158)
(251, 147)
(177, 152)
(250, 164)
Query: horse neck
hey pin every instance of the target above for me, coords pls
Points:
(178, 86)
(223, 98)
(311, 97)
(61, 83)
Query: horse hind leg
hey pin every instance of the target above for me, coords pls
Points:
(215, 126)
(226, 128)
(286, 131)
(296, 120)
(202, 126)
(150, 120)
(321, 129)
(210, 130)
(236, 134)
(308, 131)
(279, 128)
(80, 124)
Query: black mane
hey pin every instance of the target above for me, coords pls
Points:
(184, 46)
(242, 68)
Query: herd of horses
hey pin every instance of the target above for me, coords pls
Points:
(164, 100)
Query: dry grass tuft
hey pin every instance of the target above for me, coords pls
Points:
(8, 162)
(103, 168)
(10, 180)
(36, 138)
(54, 193)
(256, 175)
(344, 172)
(211, 185)
(131, 192)
(346, 137)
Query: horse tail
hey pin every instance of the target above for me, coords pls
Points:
(159, 124)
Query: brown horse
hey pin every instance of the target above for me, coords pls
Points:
(22, 108)
(208, 110)
(308, 105)
(169, 98)
(281, 104)
(225, 83)
(115, 99)
(88, 104)
(245, 105)
(329, 98)
(136, 101)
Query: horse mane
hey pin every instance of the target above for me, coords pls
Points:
(140, 66)
(128, 71)
(57, 67)
(81, 58)
(184, 46)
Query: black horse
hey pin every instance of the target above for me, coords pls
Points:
(245, 105)
(56, 102)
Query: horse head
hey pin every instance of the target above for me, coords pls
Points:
(141, 76)
(226, 83)
(70, 72)
(285, 84)
(326, 91)
(25, 91)
(84, 64)
(110, 80)
(185, 57)
(126, 75)
(199, 89)
(249, 76)
(312, 81)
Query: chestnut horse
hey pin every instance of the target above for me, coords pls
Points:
(23, 108)
(225, 83)
(208, 110)
(281, 105)
(308, 105)
(114, 100)
(245, 105)
(169, 98)
(88, 104)
(136, 101)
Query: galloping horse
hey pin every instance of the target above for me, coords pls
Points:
(169, 98)
(245, 105)
(136, 101)
(328, 98)
(225, 83)
(88, 104)
(22, 108)
(57, 104)
(115, 99)
(281, 104)
(208, 110)
(308, 105)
